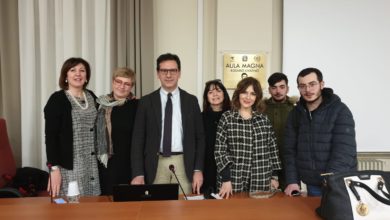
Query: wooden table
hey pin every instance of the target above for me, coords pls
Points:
(240, 207)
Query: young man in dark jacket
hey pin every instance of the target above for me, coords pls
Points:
(277, 108)
(319, 136)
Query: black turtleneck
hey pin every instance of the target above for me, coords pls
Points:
(210, 122)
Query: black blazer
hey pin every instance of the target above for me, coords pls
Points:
(147, 135)
(59, 130)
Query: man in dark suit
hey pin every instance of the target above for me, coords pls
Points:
(168, 130)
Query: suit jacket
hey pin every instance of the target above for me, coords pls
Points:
(148, 130)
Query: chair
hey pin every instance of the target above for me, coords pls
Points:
(7, 163)
(8, 168)
(7, 160)
(9, 192)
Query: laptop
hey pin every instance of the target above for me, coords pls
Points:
(125, 192)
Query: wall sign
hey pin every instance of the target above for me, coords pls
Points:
(239, 66)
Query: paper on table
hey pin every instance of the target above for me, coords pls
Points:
(216, 196)
(200, 197)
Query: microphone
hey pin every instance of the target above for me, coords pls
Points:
(50, 189)
(172, 169)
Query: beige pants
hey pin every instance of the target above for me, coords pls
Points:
(164, 175)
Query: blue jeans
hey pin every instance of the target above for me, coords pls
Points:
(314, 190)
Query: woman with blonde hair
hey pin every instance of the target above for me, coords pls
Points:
(114, 124)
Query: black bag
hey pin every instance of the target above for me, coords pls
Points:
(356, 195)
(29, 181)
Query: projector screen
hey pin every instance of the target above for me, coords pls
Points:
(349, 41)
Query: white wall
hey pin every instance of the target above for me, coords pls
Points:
(175, 23)
(349, 41)
(245, 26)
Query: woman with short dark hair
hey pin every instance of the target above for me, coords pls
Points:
(70, 116)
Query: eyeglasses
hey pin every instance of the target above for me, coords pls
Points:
(119, 82)
(215, 88)
(303, 87)
(166, 71)
(214, 81)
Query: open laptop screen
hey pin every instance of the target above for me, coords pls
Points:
(125, 192)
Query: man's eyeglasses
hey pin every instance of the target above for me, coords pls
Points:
(119, 82)
(166, 71)
(310, 85)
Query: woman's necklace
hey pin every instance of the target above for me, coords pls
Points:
(77, 102)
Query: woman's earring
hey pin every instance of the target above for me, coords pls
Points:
(66, 81)
(86, 81)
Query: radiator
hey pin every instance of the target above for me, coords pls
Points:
(370, 164)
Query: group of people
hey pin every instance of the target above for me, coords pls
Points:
(246, 144)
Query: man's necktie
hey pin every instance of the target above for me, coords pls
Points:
(167, 139)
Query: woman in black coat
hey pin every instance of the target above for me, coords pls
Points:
(215, 101)
(70, 116)
(115, 127)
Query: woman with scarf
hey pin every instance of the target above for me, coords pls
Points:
(114, 124)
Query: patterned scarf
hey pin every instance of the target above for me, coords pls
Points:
(104, 145)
